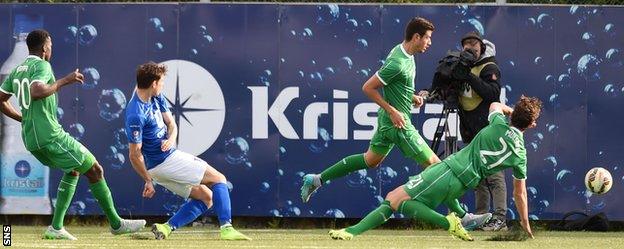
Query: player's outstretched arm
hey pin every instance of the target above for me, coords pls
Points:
(7, 108)
(40, 90)
(520, 198)
(371, 89)
(502, 108)
(138, 163)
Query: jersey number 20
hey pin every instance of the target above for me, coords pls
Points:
(23, 92)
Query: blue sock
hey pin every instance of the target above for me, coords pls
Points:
(221, 203)
(187, 213)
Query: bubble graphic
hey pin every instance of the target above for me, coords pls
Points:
(206, 40)
(609, 90)
(352, 25)
(462, 10)
(76, 130)
(568, 60)
(531, 193)
(115, 158)
(357, 179)
(344, 64)
(610, 29)
(265, 77)
(614, 57)
(121, 139)
(275, 212)
(77, 208)
(307, 33)
(91, 78)
(230, 186)
(87, 34)
(70, 34)
(552, 160)
(564, 179)
(510, 213)
(334, 213)
(541, 206)
(588, 38)
(327, 14)
(387, 174)
(564, 80)
(538, 61)
(362, 44)
(551, 127)
(322, 142)
(59, 113)
(545, 21)
(111, 103)
(236, 150)
(477, 25)
(599, 205)
(156, 24)
(265, 187)
(588, 67)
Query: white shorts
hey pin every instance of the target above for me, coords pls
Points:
(179, 172)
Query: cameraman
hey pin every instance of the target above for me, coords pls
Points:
(481, 87)
(471, 85)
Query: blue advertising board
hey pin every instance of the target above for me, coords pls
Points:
(266, 93)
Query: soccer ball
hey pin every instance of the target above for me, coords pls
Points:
(598, 180)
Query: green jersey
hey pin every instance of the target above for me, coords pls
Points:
(397, 74)
(39, 122)
(496, 147)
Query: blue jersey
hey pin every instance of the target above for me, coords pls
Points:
(144, 124)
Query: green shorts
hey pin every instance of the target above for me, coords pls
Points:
(411, 144)
(435, 185)
(66, 154)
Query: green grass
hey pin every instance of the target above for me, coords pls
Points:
(99, 237)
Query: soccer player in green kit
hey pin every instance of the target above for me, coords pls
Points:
(496, 147)
(34, 85)
(396, 79)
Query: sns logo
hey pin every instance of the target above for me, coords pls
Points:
(196, 103)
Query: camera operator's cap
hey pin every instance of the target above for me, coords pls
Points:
(474, 35)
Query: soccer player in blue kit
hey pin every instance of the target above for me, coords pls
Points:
(152, 134)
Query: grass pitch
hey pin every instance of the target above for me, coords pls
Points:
(99, 237)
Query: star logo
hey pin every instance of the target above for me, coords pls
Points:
(196, 104)
(22, 169)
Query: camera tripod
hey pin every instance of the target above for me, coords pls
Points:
(443, 129)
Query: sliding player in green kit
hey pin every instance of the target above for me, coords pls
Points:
(496, 147)
(396, 79)
(35, 87)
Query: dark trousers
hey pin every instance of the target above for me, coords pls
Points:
(493, 187)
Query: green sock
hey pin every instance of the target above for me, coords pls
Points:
(373, 219)
(66, 190)
(103, 195)
(344, 167)
(420, 211)
(455, 207)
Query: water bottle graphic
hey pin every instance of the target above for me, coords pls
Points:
(23, 179)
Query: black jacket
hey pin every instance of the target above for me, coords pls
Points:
(487, 86)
